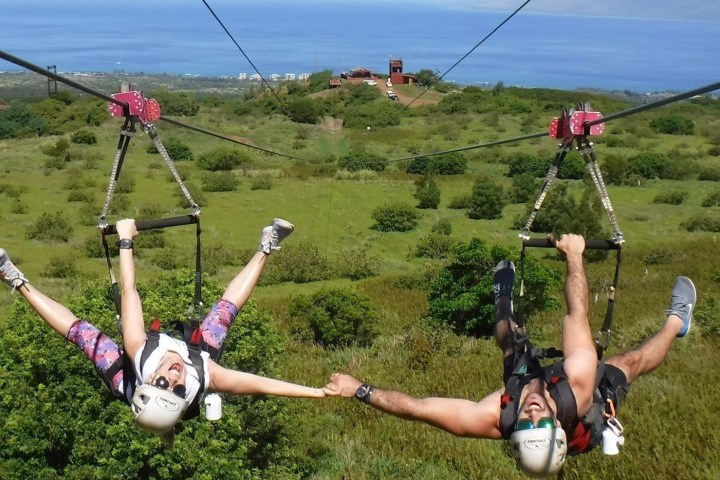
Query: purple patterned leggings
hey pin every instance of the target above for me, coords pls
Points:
(104, 352)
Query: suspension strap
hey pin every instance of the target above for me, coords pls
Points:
(142, 110)
(571, 128)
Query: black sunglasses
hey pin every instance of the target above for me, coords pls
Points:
(162, 382)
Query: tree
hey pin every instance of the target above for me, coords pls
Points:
(337, 317)
(487, 201)
(305, 110)
(461, 295)
(427, 193)
(427, 77)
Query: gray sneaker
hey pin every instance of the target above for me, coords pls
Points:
(682, 302)
(274, 234)
(504, 280)
(9, 273)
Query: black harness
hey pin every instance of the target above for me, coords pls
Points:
(196, 345)
(526, 368)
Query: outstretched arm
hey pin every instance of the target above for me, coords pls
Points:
(133, 324)
(578, 346)
(235, 382)
(460, 417)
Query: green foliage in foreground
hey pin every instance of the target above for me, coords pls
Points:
(59, 421)
(461, 296)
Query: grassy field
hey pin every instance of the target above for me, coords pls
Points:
(672, 430)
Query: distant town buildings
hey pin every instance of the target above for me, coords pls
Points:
(275, 77)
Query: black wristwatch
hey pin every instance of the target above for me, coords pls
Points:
(125, 243)
(364, 392)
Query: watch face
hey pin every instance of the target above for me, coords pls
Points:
(361, 391)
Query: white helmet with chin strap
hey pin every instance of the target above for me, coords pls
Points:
(157, 410)
(539, 452)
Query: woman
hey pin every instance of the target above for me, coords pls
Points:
(162, 378)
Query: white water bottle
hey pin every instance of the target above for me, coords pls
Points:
(612, 437)
(213, 407)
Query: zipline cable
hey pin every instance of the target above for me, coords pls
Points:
(245, 55)
(229, 139)
(471, 51)
(614, 116)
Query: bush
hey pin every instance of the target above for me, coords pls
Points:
(463, 202)
(355, 263)
(487, 201)
(525, 187)
(395, 217)
(221, 160)
(176, 149)
(61, 267)
(337, 317)
(712, 200)
(442, 226)
(434, 245)
(673, 125)
(648, 165)
(704, 223)
(711, 174)
(219, 182)
(363, 161)
(572, 168)
(262, 182)
(84, 137)
(461, 294)
(536, 166)
(302, 263)
(50, 227)
(453, 163)
(427, 193)
(671, 197)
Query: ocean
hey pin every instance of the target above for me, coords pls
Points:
(283, 36)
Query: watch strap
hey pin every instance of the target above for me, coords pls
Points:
(125, 243)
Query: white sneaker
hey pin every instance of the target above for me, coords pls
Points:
(9, 273)
(274, 234)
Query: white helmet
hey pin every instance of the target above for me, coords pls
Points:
(539, 452)
(157, 410)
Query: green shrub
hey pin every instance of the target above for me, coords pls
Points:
(61, 267)
(434, 245)
(337, 317)
(704, 223)
(711, 174)
(462, 202)
(461, 295)
(427, 192)
(453, 163)
(219, 182)
(442, 226)
(50, 227)
(572, 168)
(712, 200)
(81, 196)
(84, 137)
(395, 217)
(525, 187)
(262, 182)
(648, 165)
(673, 125)
(176, 149)
(363, 161)
(671, 197)
(487, 201)
(300, 264)
(221, 160)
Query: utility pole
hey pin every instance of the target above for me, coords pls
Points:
(52, 84)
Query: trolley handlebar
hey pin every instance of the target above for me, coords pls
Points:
(160, 223)
(589, 244)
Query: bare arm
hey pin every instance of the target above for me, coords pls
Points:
(235, 382)
(580, 355)
(131, 313)
(460, 417)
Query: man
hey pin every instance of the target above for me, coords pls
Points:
(545, 412)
